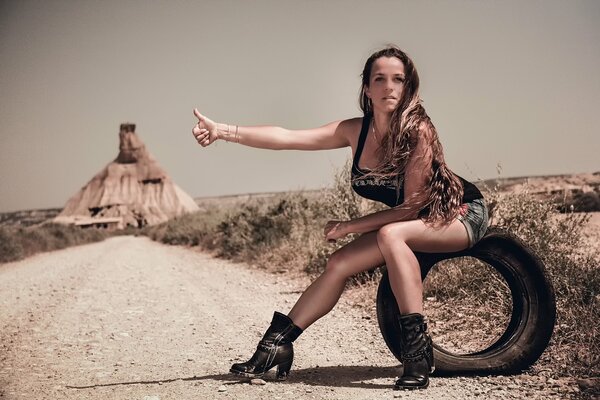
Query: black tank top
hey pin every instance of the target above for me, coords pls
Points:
(389, 191)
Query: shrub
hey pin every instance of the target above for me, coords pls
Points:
(252, 230)
(582, 202)
(11, 248)
(19, 242)
(194, 229)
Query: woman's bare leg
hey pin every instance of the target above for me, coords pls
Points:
(393, 245)
(398, 241)
(321, 296)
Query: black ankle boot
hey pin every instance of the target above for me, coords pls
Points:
(417, 353)
(274, 349)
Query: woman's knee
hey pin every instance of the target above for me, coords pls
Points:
(337, 265)
(390, 235)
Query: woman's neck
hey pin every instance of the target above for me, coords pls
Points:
(381, 121)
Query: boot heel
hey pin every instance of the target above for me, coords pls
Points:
(283, 370)
(274, 349)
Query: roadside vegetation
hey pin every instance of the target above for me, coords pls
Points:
(18, 242)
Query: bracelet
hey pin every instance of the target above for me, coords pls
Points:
(228, 135)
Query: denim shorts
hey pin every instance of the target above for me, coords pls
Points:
(475, 218)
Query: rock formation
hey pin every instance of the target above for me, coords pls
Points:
(133, 190)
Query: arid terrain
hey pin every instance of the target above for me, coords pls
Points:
(132, 318)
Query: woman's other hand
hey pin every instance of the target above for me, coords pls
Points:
(335, 230)
(205, 131)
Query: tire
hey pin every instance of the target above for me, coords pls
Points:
(533, 309)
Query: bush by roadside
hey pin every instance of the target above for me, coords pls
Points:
(195, 229)
(17, 243)
(581, 202)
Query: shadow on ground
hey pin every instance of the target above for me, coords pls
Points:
(334, 376)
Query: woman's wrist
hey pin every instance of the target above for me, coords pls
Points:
(346, 227)
(221, 130)
(227, 132)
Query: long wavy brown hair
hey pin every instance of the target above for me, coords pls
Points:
(410, 123)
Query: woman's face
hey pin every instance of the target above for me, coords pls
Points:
(386, 83)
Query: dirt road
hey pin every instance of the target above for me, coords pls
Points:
(128, 318)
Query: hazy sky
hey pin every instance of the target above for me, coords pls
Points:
(505, 82)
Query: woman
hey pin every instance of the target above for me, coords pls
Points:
(398, 160)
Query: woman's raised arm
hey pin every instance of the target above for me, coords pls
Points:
(331, 136)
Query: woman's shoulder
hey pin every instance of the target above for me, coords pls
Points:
(352, 122)
(351, 127)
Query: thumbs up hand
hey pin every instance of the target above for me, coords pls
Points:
(205, 131)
